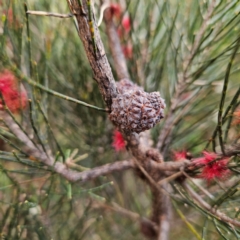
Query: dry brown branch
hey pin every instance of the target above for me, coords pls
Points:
(147, 160)
(59, 167)
(143, 159)
(74, 176)
(98, 60)
(29, 146)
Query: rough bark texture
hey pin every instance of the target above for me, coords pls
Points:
(96, 56)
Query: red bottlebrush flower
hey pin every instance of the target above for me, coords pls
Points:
(124, 28)
(208, 157)
(212, 169)
(216, 169)
(118, 141)
(15, 96)
(127, 51)
(179, 156)
(115, 10)
(126, 23)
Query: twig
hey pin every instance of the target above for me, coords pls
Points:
(161, 204)
(220, 111)
(50, 14)
(219, 215)
(31, 149)
(49, 91)
(59, 167)
(98, 61)
(165, 214)
(145, 173)
(201, 32)
(125, 212)
(115, 47)
(149, 166)
(104, 6)
(102, 170)
(199, 186)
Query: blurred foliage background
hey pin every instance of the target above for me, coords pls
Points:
(167, 45)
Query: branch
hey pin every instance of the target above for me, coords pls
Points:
(30, 148)
(49, 14)
(74, 176)
(219, 215)
(115, 47)
(146, 224)
(95, 54)
(201, 32)
(165, 215)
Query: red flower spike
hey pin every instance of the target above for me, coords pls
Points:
(126, 23)
(15, 96)
(115, 10)
(216, 169)
(212, 169)
(118, 141)
(208, 157)
(179, 156)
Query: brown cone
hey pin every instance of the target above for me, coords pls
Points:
(135, 110)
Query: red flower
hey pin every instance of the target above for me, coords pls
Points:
(212, 167)
(15, 96)
(208, 157)
(217, 169)
(125, 27)
(118, 141)
(115, 10)
(127, 51)
(180, 156)
(126, 23)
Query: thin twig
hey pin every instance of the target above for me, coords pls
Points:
(115, 47)
(225, 85)
(200, 34)
(49, 91)
(104, 6)
(199, 186)
(98, 60)
(50, 14)
(145, 173)
(125, 212)
(219, 215)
